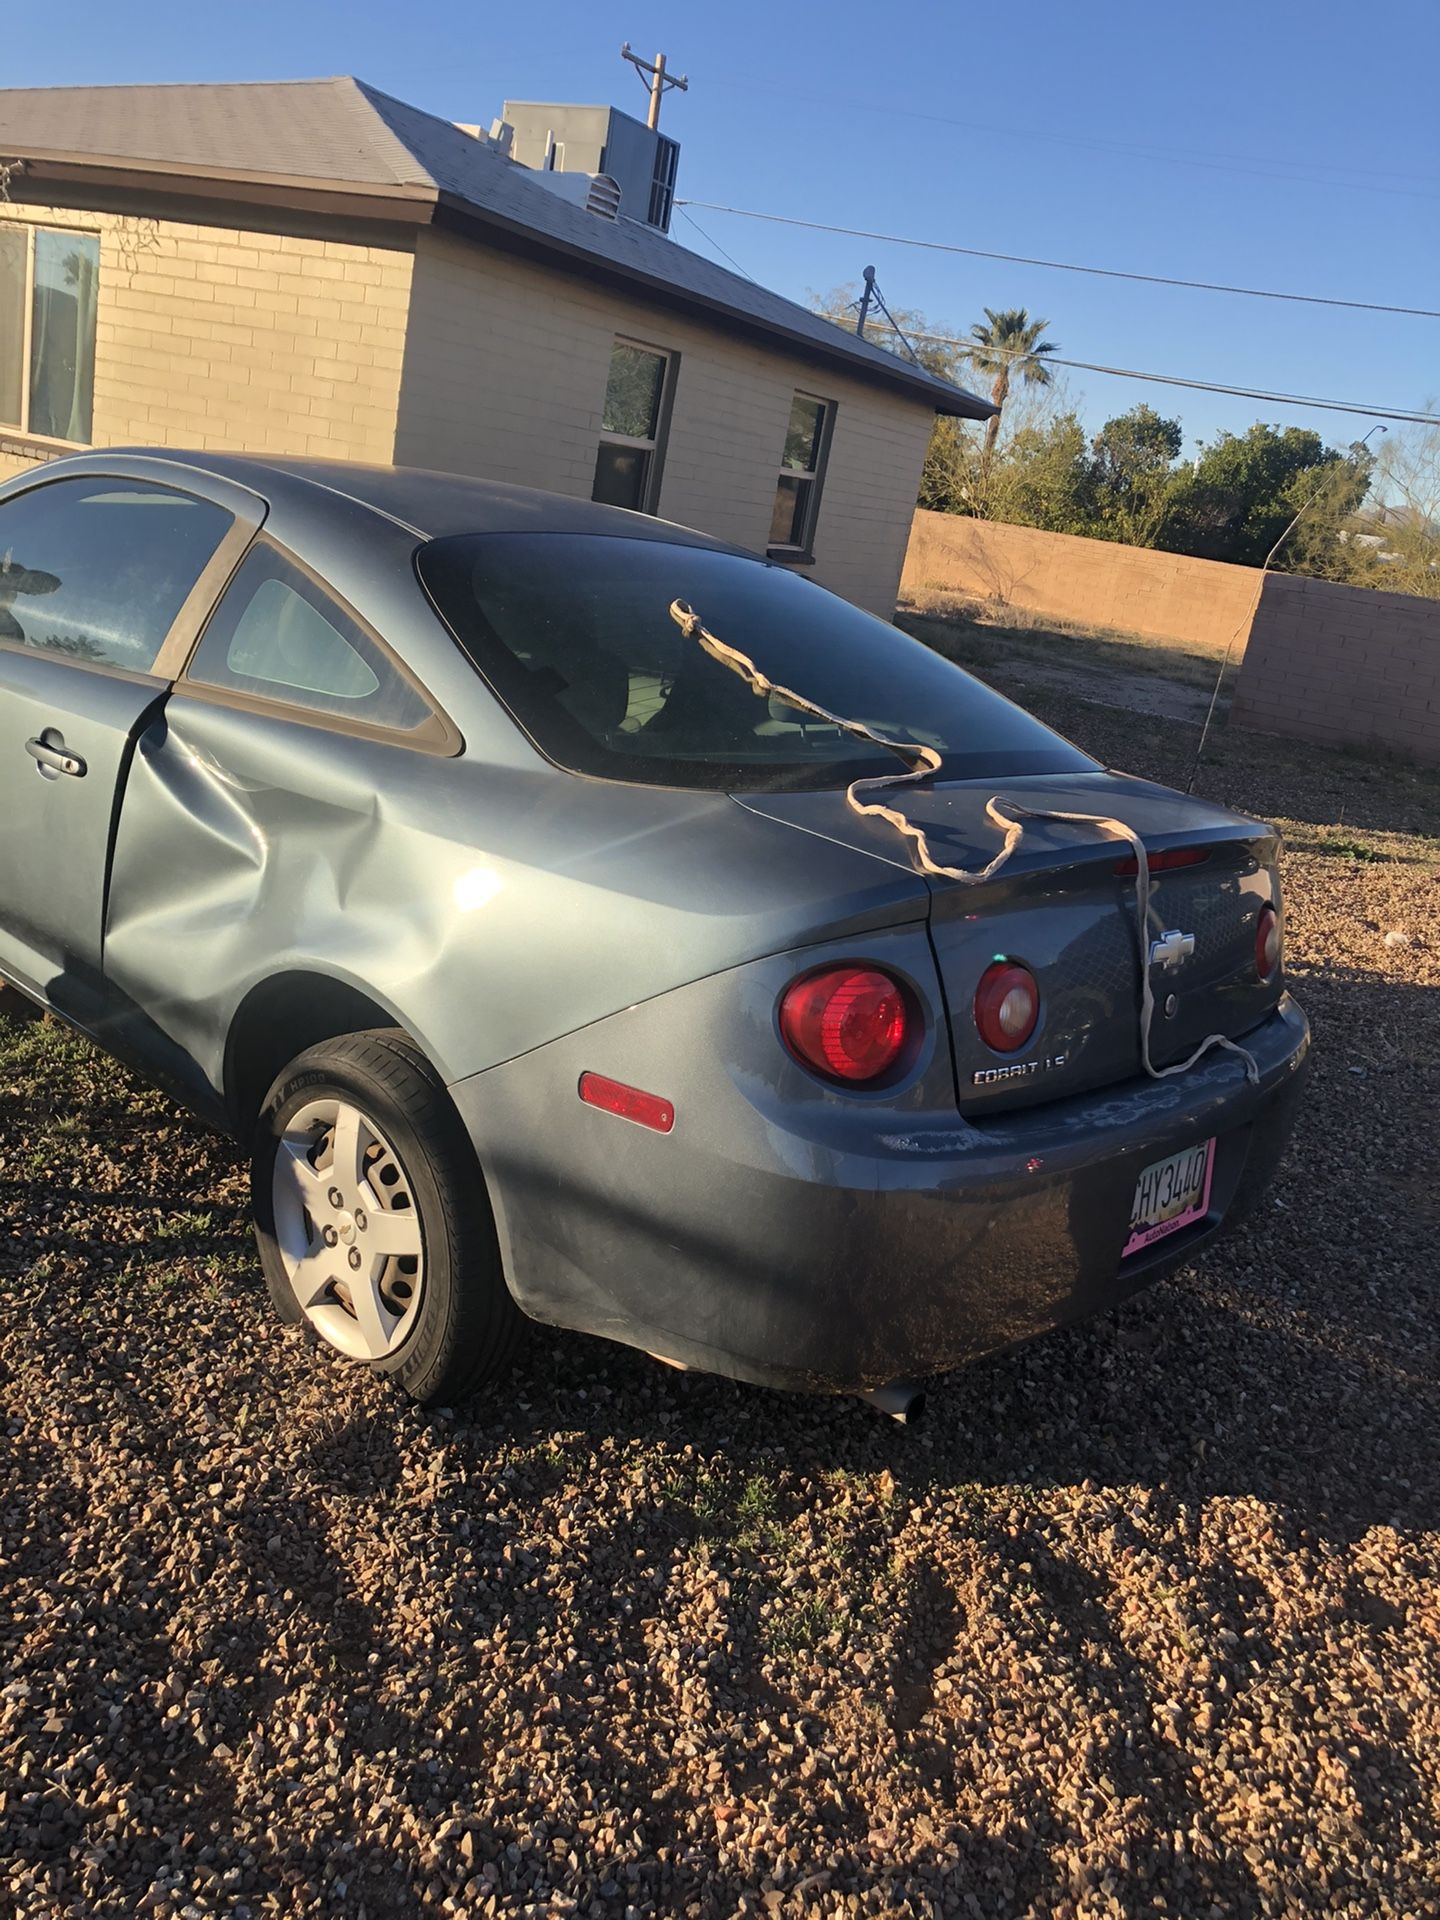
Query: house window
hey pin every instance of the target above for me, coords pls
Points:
(48, 283)
(797, 491)
(637, 401)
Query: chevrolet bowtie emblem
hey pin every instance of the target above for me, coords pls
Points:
(1171, 948)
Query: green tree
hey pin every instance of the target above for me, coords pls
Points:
(1007, 348)
(1043, 479)
(1327, 499)
(1395, 543)
(1244, 489)
(1131, 462)
(947, 480)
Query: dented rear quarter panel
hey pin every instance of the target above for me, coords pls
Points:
(485, 900)
(487, 907)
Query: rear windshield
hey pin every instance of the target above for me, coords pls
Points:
(573, 632)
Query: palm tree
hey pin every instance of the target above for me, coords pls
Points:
(1008, 347)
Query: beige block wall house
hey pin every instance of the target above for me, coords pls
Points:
(508, 365)
(316, 269)
(223, 338)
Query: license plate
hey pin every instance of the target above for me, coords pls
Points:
(1170, 1195)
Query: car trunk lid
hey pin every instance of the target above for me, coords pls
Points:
(1060, 907)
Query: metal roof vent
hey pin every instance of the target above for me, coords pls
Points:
(598, 193)
(604, 196)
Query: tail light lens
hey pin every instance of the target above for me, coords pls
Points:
(1267, 943)
(849, 1023)
(1007, 1005)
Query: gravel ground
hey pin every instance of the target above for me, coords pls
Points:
(1142, 1620)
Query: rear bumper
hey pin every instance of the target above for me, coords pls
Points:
(770, 1242)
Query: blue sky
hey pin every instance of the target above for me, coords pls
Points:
(1290, 145)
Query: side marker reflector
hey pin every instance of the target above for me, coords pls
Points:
(630, 1103)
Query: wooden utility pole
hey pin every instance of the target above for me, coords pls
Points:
(658, 83)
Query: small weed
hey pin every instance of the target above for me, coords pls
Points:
(184, 1226)
(803, 1626)
(756, 1503)
(155, 1283)
(728, 1511)
(222, 1267)
(40, 1270)
(1344, 846)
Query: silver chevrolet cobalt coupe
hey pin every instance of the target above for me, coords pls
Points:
(580, 919)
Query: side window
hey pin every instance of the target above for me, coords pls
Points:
(278, 635)
(802, 461)
(632, 427)
(50, 277)
(97, 569)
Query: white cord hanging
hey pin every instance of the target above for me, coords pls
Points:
(1008, 816)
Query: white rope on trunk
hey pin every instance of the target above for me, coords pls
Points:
(1008, 816)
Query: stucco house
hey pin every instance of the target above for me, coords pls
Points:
(312, 267)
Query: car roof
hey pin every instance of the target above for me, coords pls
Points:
(426, 502)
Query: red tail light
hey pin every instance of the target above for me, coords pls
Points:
(849, 1023)
(1007, 1005)
(1267, 943)
(1164, 862)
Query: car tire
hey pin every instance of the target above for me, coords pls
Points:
(340, 1122)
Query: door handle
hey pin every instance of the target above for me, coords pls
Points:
(53, 756)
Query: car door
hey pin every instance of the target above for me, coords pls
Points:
(261, 831)
(104, 577)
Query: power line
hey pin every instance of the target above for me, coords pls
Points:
(1066, 266)
(711, 241)
(1256, 166)
(1409, 416)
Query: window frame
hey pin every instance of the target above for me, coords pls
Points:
(184, 630)
(438, 735)
(811, 478)
(22, 426)
(654, 447)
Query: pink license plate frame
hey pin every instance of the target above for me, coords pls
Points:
(1143, 1237)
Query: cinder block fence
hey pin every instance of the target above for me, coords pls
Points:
(1344, 665)
(1092, 583)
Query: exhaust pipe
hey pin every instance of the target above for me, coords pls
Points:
(902, 1401)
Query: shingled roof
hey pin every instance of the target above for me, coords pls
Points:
(342, 146)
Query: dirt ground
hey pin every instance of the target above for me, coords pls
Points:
(1144, 1619)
